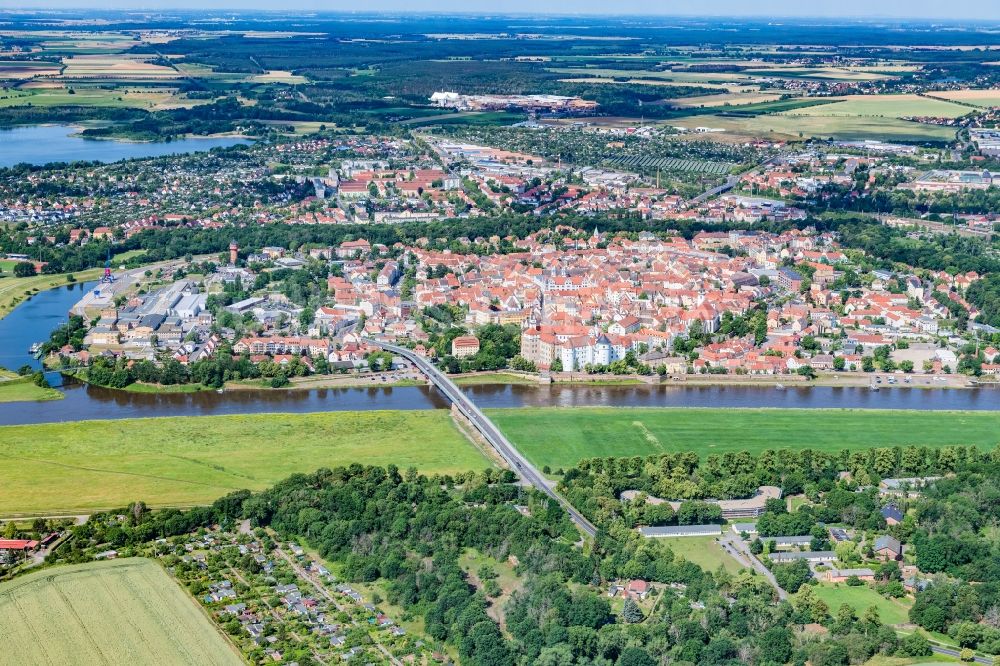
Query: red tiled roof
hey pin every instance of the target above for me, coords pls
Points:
(17, 544)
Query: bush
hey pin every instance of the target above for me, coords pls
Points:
(24, 269)
(914, 645)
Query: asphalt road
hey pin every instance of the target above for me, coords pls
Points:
(737, 544)
(518, 463)
(955, 653)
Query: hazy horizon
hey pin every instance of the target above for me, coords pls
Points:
(961, 10)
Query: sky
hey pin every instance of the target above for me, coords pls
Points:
(901, 9)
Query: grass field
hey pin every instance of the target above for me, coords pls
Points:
(119, 612)
(560, 437)
(705, 552)
(860, 598)
(730, 99)
(72, 467)
(845, 128)
(494, 378)
(889, 106)
(14, 291)
(21, 389)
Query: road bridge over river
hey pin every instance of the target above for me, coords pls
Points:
(518, 463)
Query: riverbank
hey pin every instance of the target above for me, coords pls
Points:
(830, 379)
(312, 382)
(15, 291)
(560, 437)
(69, 468)
(408, 379)
(78, 467)
(14, 388)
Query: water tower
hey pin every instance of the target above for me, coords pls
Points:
(234, 251)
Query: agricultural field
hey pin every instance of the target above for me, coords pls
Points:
(279, 76)
(826, 73)
(725, 99)
(687, 78)
(144, 98)
(27, 69)
(125, 611)
(115, 68)
(781, 126)
(892, 611)
(889, 106)
(561, 437)
(181, 461)
(86, 43)
(982, 98)
(721, 87)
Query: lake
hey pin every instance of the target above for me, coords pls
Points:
(41, 144)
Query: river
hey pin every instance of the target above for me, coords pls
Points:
(32, 321)
(41, 144)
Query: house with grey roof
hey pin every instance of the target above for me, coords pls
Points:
(812, 556)
(887, 548)
(680, 531)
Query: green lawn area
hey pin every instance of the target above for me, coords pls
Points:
(171, 388)
(125, 611)
(703, 551)
(81, 97)
(892, 611)
(125, 256)
(559, 437)
(21, 389)
(797, 501)
(493, 378)
(71, 467)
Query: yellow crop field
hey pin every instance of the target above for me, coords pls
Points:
(888, 106)
(279, 76)
(114, 67)
(117, 612)
(981, 97)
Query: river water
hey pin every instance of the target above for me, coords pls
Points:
(41, 144)
(32, 321)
